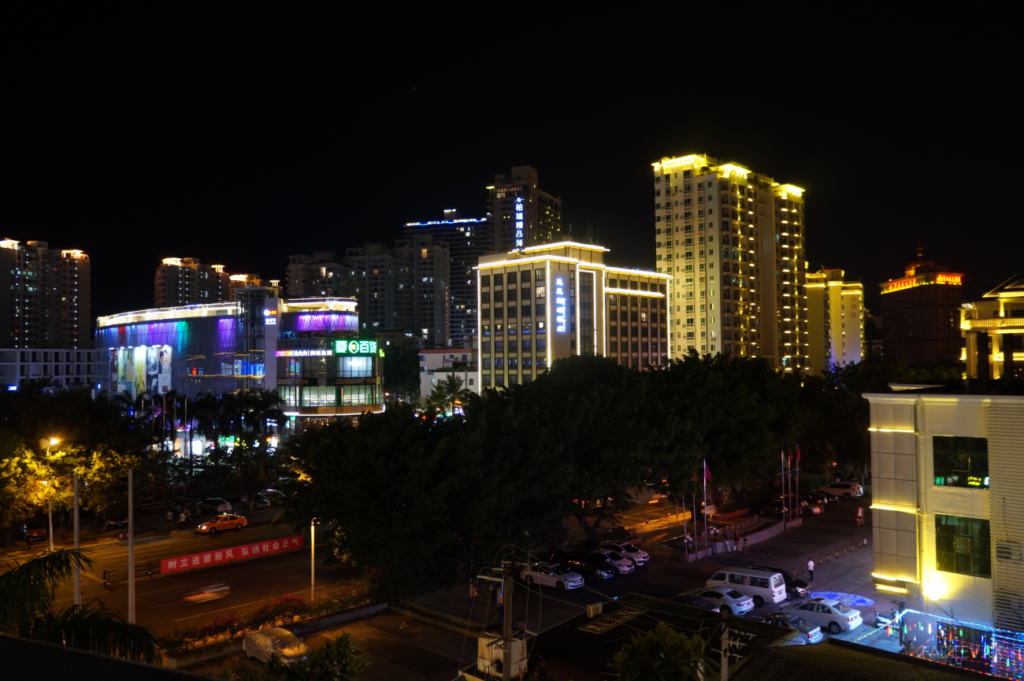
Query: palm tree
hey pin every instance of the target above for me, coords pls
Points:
(26, 610)
(449, 392)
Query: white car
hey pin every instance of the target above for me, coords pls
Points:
(545, 575)
(260, 644)
(843, 490)
(727, 600)
(809, 633)
(829, 614)
(621, 564)
(633, 553)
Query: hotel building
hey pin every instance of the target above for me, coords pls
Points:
(522, 214)
(948, 514)
(835, 320)
(996, 322)
(543, 303)
(732, 241)
(45, 303)
(921, 313)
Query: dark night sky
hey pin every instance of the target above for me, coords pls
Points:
(241, 137)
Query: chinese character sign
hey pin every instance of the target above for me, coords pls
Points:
(560, 305)
(355, 347)
(220, 556)
(519, 222)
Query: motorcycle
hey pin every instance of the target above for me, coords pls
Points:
(885, 619)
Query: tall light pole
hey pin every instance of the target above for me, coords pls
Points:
(49, 502)
(312, 559)
(78, 569)
(131, 548)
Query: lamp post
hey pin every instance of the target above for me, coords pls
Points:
(312, 560)
(49, 502)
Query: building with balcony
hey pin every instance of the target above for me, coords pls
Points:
(835, 320)
(732, 241)
(543, 303)
(436, 364)
(46, 301)
(995, 323)
(921, 314)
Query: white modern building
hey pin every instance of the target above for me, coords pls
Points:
(436, 364)
(67, 368)
(948, 508)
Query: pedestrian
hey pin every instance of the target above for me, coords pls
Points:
(746, 544)
(181, 520)
(28, 540)
(188, 518)
(810, 569)
(735, 540)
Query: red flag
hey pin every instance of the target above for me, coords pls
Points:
(695, 477)
(789, 460)
(798, 453)
(707, 471)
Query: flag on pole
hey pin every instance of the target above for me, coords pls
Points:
(707, 471)
(789, 460)
(798, 453)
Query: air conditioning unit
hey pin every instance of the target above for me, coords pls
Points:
(491, 651)
(595, 610)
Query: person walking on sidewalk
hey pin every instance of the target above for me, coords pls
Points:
(810, 569)
(746, 544)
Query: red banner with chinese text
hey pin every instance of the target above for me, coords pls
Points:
(229, 555)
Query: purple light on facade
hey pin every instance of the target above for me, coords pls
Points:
(325, 322)
(226, 334)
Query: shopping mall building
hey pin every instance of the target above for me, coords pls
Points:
(308, 349)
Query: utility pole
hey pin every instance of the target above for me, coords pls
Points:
(78, 569)
(508, 571)
(312, 559)
(131, 548)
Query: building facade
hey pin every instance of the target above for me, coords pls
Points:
(186, 281)
(733, 242)
(948, 513)
(466, 239)
(921, 314)
(436, 364)
(996, 323)
(522, 214)
(543, 303)
(835, 320)
(422, 300)
(63, 368)
(46, 302)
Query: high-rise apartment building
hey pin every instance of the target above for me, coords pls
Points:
(186, 281)
(543, 303)
(466, 239)
(404, 289)
(733, 242)
(522, 214)
(46, 303)
(835, 312)
(921, 313)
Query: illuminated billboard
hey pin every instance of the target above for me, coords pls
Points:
(142, 369)
(355, 347)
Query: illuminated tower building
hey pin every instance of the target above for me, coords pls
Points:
(46, 304)
(733, 241)
(186, 281)
(921, 313)
(466, 239)
(522, 214)
(835, 310)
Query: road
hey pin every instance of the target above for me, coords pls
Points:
(159, 600)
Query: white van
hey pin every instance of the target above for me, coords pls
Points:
(762, 586)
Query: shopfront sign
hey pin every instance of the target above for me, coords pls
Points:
(370, 380)
(355, 347)
(229, 555)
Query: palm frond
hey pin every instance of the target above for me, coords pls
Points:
(27, 590)
(98, 630)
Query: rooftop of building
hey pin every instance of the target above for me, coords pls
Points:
(994, 388)
(224, 309)
(1011, 288)
(563, 251)
(703, 162)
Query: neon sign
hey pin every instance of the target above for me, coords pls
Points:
(560, 305)
(519, 222)
(302, 353)
(270, 317)
(355, 347)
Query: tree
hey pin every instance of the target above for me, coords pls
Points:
(449, 392)
(335, 661)
(402, 373)
(26, 610)
(662, 654)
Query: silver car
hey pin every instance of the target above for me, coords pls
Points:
(261, 644)
(628, 551)
(728, 600)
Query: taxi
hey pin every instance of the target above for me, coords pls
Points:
(225, 521)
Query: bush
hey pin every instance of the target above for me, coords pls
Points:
(280, 610)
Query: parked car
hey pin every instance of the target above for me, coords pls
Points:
(828, 613)
(590, 569)
(215, 505)
(621, 564)
(774, 507)
(821, 497)
(261, 644)
(546, 574)
(34, 532)
(268, 497)
(633, 553)
(809, 633)
(697, 602)
(225, 521)
(260, 501)
(728, 600)
(179, 504)
(795, 588)
(844, 490)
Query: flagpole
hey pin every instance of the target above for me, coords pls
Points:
(704, 474)
(798, 469)
(789, 471)
(782, 482)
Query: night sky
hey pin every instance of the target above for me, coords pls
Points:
(240, 137)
